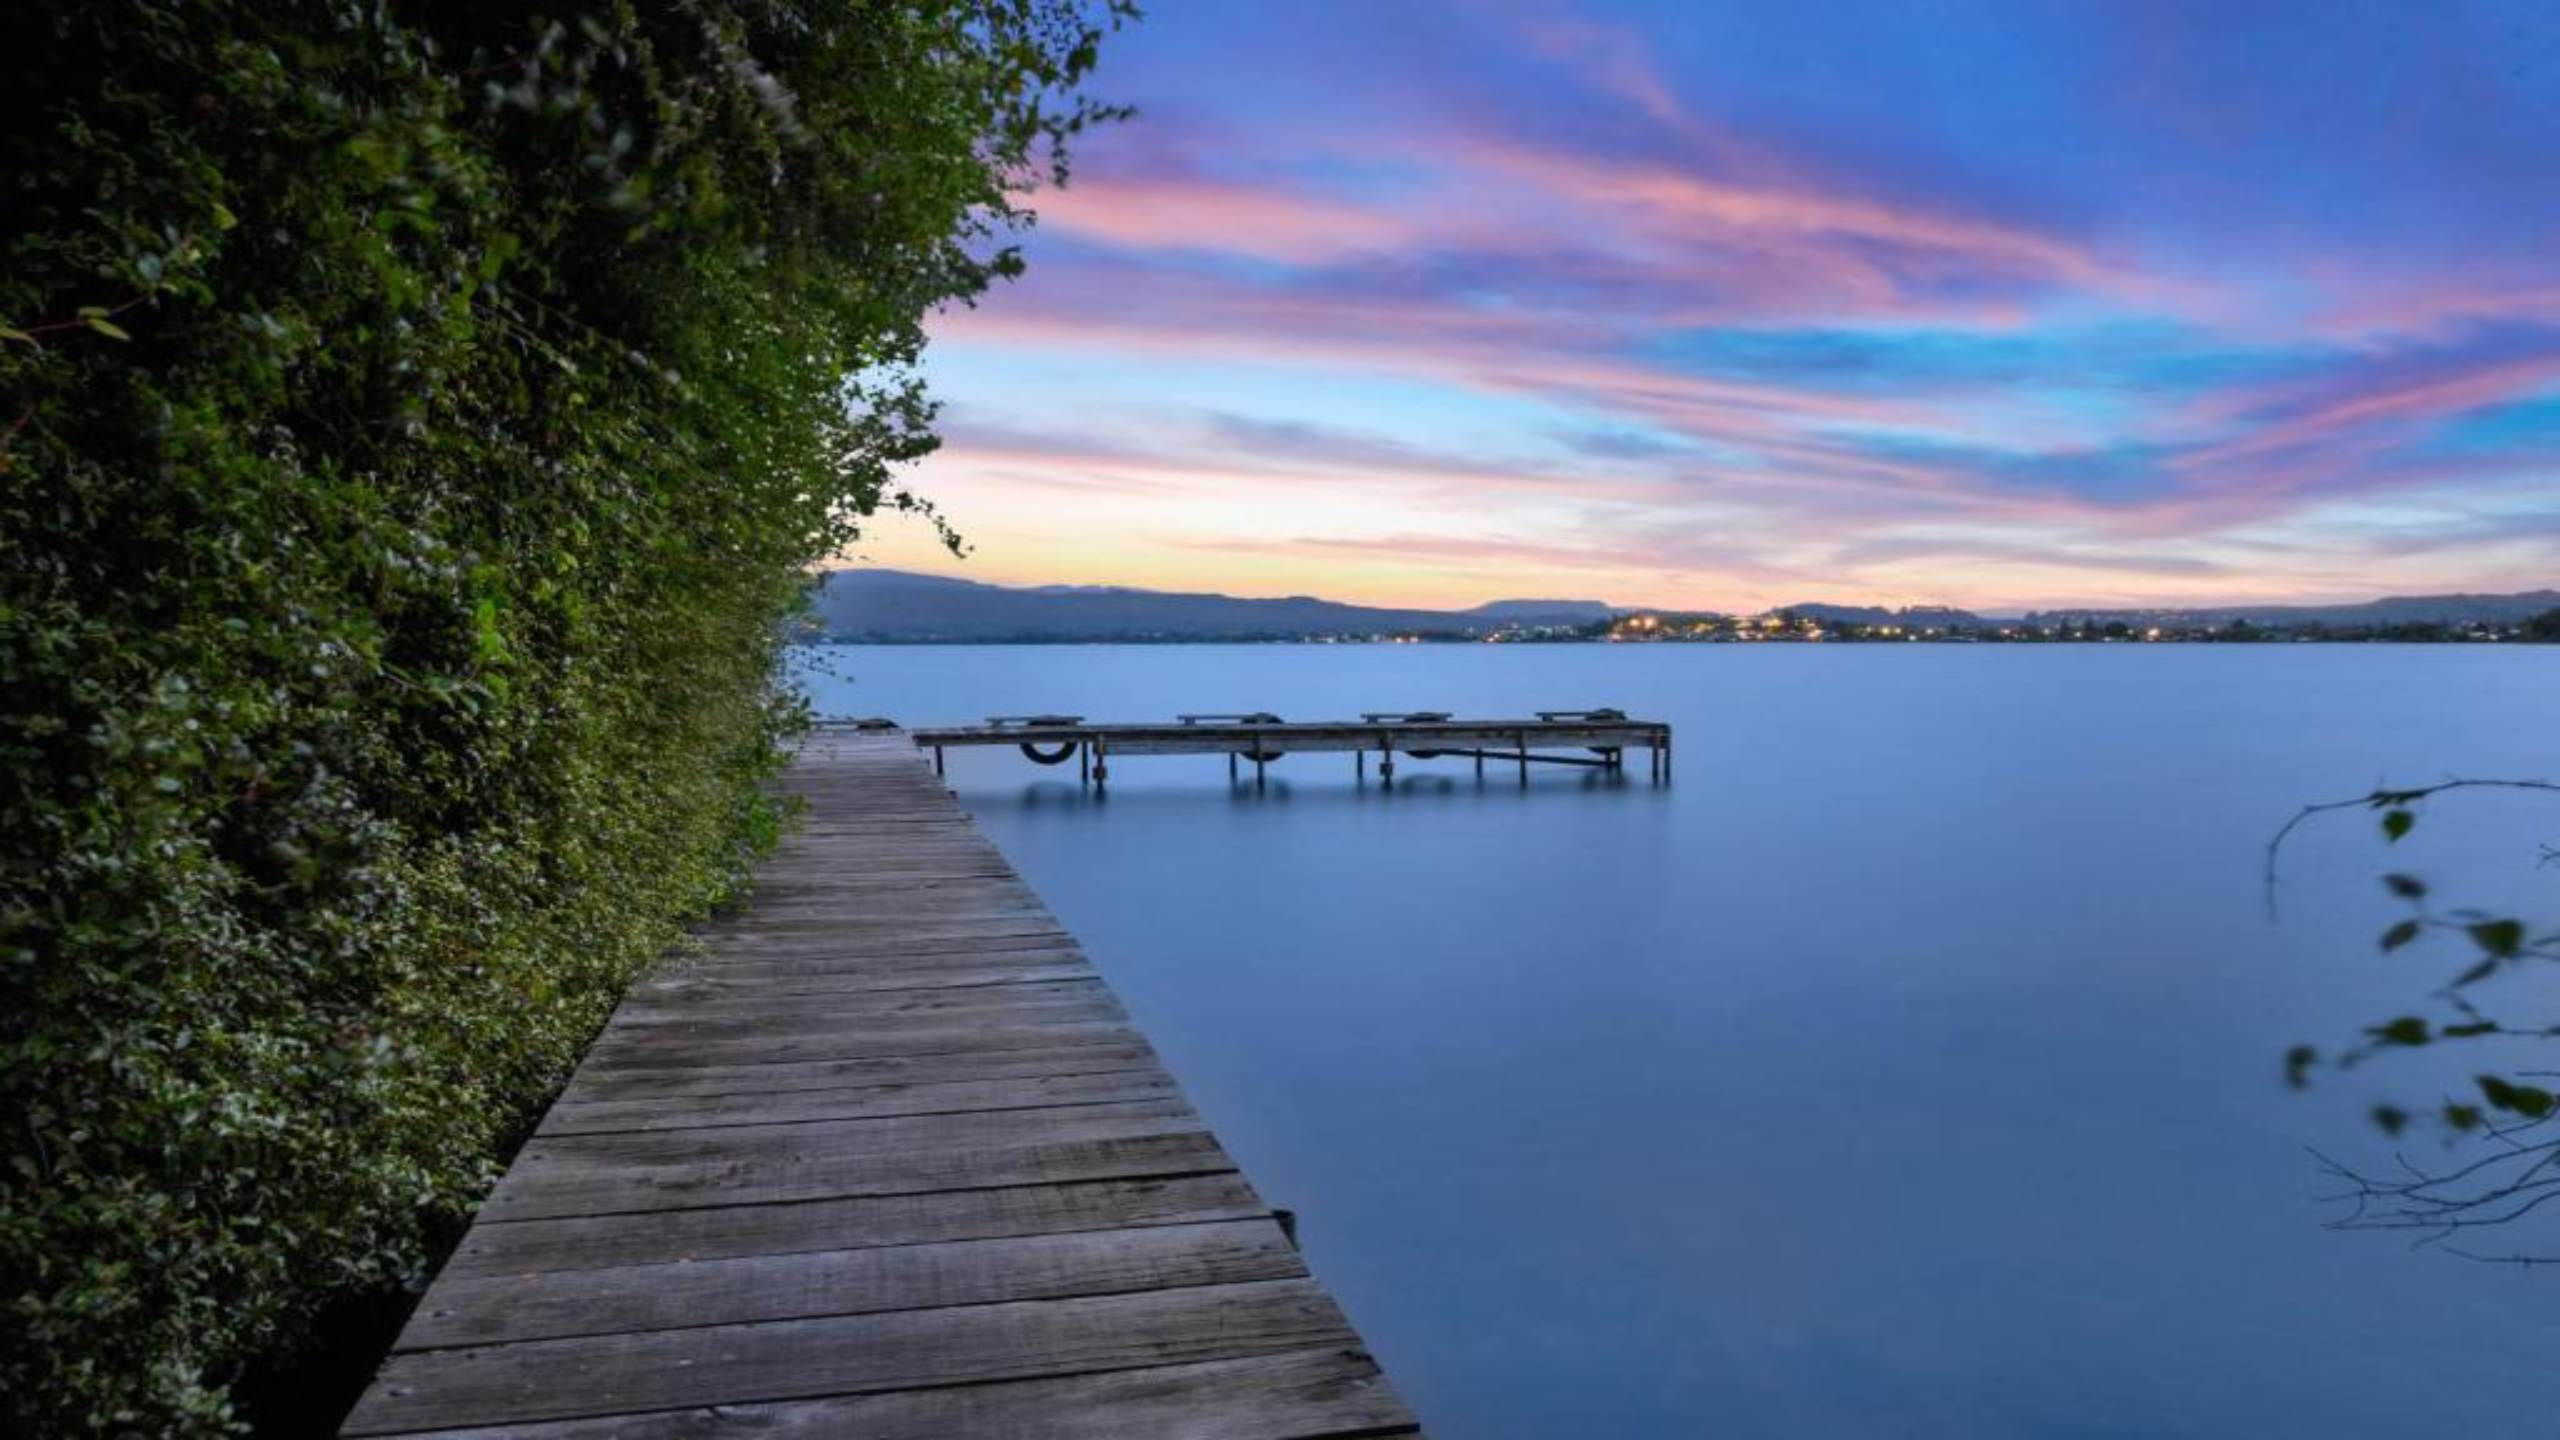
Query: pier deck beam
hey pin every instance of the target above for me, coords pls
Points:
(1595, 738)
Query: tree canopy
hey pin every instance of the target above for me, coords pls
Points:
(416, 420)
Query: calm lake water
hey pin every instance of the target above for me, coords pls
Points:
(1909, 1067)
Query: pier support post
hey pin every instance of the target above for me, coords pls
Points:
(1523, 742)
(937, 759)
(1084, 764)
(1101, 767)
(1231, 767)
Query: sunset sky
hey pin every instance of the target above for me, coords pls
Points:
(1728, 305)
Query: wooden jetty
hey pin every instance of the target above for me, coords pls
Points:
(1598, 739)
(889, 1162)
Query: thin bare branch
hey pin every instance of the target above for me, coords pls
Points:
(2382, 799)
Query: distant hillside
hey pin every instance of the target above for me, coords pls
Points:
(1916, 615)
(895, 605)
(2390, 610)
(1545, 612)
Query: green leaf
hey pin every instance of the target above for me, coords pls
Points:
(2297, 1065)
(105, 326)
(223, 219)
(2391, 1118)
(2462, 1117)
(2528, 1100)
(2501, 938)
(2399, 935)
(2396, 823)
(2407, 1030)
(2407, 887)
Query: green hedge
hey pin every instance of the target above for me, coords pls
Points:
(419, 419)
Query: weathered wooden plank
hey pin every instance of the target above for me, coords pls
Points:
(857, 888)
(881, 905)
(599, 1117)
(1117, 1048)
(707, 1044)
(1101, 1148)
(980, 893)
(944, 989)
(486, 1310)
(849, 1354)
(783, 930)
(849, 1015)
(825, 856)
(816, 953)
(922, 973)
(942, 903)
(802, 1142)
(903, 867)
(955, 927)
(669, 1236)
(1065, 1029)
(1333, 1393)
(922, 898)
(713, 1015)
(835, 923)
(892, 849)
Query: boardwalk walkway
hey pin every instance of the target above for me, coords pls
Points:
(889, 1162)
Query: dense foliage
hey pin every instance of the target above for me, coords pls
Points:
(418, 418)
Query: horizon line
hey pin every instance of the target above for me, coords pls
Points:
(1615, 607)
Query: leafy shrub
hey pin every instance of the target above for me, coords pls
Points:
(419, 417)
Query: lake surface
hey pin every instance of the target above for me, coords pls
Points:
(1908, 1067)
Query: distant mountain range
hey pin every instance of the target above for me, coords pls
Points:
(2390, 610)
(898, 606)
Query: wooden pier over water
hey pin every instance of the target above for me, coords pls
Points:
(1597, 739)
(889, 1162)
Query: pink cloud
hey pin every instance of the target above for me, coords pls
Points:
(1185, 213)
(2431, 309)
(2359, 407)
